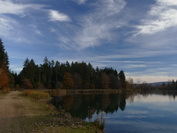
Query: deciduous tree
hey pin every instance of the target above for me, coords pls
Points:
(68, 81)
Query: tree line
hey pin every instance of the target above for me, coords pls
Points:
(75, 75)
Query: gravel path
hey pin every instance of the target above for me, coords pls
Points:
(16, 113)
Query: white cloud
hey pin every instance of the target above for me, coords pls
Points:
(35, 29)
(9, 7)
(154, 73)
(80, 1)
(16, 68)
(111, 7)
(93, 34)
(10, 27)
(130, 54)
(4, 23)
(136, 66)
(162, 15)
(7, 26)
(57, 16)
(95, 28)
(167, 2)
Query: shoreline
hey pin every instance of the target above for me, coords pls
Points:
(25, 114)
(61, 121)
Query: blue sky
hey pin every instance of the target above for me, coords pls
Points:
(137, 36)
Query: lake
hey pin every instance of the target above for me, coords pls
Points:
(124, 113)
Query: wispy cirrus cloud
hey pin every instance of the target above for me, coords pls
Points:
(8, 29)
(11, 27)
(154, 73)
(136, 66)
(6, 24)
(35, 29)
(95, 28)
(161, 16)
(10, 7)
(130, 54)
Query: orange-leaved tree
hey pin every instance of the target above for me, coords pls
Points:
(4, 79)
(68, 81)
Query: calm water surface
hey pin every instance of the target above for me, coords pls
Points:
(124, 113)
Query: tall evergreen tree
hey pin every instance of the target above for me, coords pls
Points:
(122, 79)
(30, 73)
(4, 66)
(4, 61)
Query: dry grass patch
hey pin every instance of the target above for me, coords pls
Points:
(37, 95)
(4, 90)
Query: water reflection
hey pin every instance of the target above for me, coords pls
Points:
(140, 112)
(84, 106)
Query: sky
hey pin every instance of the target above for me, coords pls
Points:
(137, 36)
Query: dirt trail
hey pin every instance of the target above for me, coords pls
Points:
(17, 113)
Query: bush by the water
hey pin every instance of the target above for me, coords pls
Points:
(37, 95)
(4, 90)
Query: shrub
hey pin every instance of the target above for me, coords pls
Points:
(37, 95)
(5, 90)
(27, 84)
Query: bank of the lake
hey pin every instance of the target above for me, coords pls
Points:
(137, 112)
(19, 113)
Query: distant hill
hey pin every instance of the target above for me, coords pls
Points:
(159, 83)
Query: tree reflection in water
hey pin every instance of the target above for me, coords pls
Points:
(84, 106)
(146, 111)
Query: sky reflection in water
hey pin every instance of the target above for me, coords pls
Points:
(146, 114)
(126, 113)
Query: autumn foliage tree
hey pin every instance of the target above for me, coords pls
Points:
(68, 81)
(4, 79)
(27, 84)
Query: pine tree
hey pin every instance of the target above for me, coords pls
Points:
(122, 79)
(4, 62)
(4, 66)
